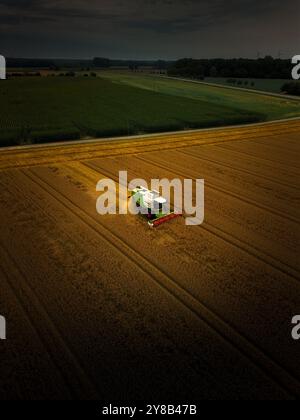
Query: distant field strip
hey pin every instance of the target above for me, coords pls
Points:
(48, 109)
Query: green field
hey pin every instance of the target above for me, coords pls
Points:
(266, 85)
(44, 109)
(270, 107)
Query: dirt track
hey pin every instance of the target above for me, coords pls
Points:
(103, 307)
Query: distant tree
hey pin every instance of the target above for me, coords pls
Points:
(29, 62)
(160, 65)
(24, 136)
(264, 68)
(225, 72)
(101, 62)
(213, 71)
(133, 66)
(241, 72)
(292, 88)
(187, 67)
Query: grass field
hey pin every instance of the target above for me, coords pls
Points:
(270, 107)
(36, 110)
(267, 85)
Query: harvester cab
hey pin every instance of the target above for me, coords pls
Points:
(154, 207)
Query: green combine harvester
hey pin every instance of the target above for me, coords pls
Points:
(153, 206)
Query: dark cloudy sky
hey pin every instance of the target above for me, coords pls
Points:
(149, 29)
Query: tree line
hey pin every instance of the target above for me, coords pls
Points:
(261, 68)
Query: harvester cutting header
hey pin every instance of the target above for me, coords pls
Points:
(153, 206)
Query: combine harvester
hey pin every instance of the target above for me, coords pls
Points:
(153, 206)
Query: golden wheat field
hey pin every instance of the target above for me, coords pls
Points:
(103, 305)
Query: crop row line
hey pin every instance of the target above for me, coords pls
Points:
(225, 147)
(40, 320)
(280, 147)
(222, 190)
(241, 170)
